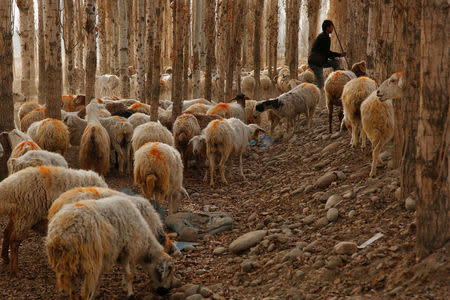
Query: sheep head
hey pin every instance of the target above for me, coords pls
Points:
(359, 68)
(160, 267)
(392, 88)
(254, 131)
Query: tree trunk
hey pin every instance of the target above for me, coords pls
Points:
(68, 31)
(123, 50)
(131, 30)
(6, 79)
(116, 51)
(80, 46)
(210, 39)
(32, 50)
(293, 36)
(372, 38)
(24, 9)
(406, 47)
(250, 33)
(186, 51)
(109, 29)
(357, 16)
(101, 10)
(167, 35)
(144, 40)
(150, 51)
(42, 90)
(221, 48)
(433, 147)
(159, 16)
(257, 54)
(338, 14)
(177, 80)
(272, 33)
(313, 12)
(53, 68)
(91, 50)
(197, 33)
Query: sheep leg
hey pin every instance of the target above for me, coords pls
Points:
(330, 117)
(223, 159)
(363, 139)
(6, 238)
(341, 114)
(355, 131)
(128, 278)
(129, 158)
(240, 167)
(120, 155)
(64, 284)
(375, 158)
(14, 246)
(89, 285)
(211, 169)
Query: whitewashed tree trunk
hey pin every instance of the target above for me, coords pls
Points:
(53, 68)
(80, 46)
(256, 53)
(91, 50)
(123, 50)
(186, 48)
(313, 18)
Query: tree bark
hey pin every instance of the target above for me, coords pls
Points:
(53, 68)
(186, 48)
(338, 14)
(91, 51)
(109, 29)
(293, 36)
(250, 34)
(116, 51)
(197, 33)
(257, 54)
(433, 147)
(167, 35)
(68, 33)
(24, 9)
(101, 4)
(210, 38)
(372, 38)
(155, 88)
(42, 90)
(177, 80)
(144, 48)
(131, 31)
(313, 12)
(32, 51)
(123, 50)
(357, 16)
(80, 46)
(221, 48)
(272, 39)
(6, 79)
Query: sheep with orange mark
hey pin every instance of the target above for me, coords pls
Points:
(354, 93)
(188, 103)
(23, 148)
(307, 76)
(35, 158)
(303, 99)
(26, 196)
(198, 108)
(26, 108)
(89, 237)
(230, 110)
(71, 103)
(204, 119)
(248, 85)
(95, 142)
(184, 128)
(158, 169)
(377, 115)
(143, 205)
(141, 107)
(151, 132)
(35, 115)
(51, 135)
(226, 137)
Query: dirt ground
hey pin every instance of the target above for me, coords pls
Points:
(278, 196)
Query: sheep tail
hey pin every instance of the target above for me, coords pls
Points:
(149, 185)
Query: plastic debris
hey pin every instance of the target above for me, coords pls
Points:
(370, 241)
(263, 142)
(182, 245)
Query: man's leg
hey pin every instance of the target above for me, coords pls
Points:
(318, 72)
(332, 63)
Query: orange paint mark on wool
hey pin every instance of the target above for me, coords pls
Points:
(168, 244)
(220, 108)
(306, 84)
(46, 171)
(78, 204)
(214, 125)
(28, 144)
(87, 130)
(309, 69)
(67, 96)
(156, 153)
(92, 190)
(100, 101)
(399, 74)
(57, 123)
(122, 119)
(135, 106)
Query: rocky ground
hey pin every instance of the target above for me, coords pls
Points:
(301, 200)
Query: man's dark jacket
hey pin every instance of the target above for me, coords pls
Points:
(320, 51)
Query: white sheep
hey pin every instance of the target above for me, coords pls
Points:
(26, 196)
(142, 204)
(36, 158)
(303, 99)
(151, 132)
(25, 108)
(107, 85)
(51, 135)
(225, 137)
(158, 169)
(89, 237)
(353, 94)
(137, 119)
(95, 142)
(76, 126)
(377, 115)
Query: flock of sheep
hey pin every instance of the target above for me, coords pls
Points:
(90, 227)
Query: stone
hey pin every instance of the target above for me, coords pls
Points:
(308, 220)
(200, 271)
(334, 262)
(325, 180)
(205, 292)
(311, 247)
(410, 204)
(208, 222)
(299, 274)
(247, 266)
(332, 214)
(195, 297)
(188, 234)
(351, 213)
(322, 222)
(293, 255)
(219, 250)
(345, 248)
(247, 240)
(309, 188)
(398, 194)
(332, 201)
(341, 175)
(349, 194)
(253, 217)
(336, 135)
(331, 147)
(301, 245)
(176, 296)
(190, 289)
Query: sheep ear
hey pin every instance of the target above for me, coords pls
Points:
(401, 82)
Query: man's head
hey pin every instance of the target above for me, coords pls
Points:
(327, 26)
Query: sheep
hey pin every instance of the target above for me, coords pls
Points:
(151, 132)
(36, 158)
(138, 119)
(15, 137)
(141, 107)
(307, 76)
(198, 108)
(35, 115)
(143, 205)
(188, 103)
(71, 103)
(26, 196)
(23, 148)
(228, 110)
(184, 128)
(51, 135)
(301, 99)
(164, 104)
(158, 169)
(95, 143)
(197, 150)
(225, 137)
(203, 119)
(353, 94)
(120, 132)
(76, 127)
(107, 85)
(26, 108)
(87, 238)
(377, 115)
(19, 97)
